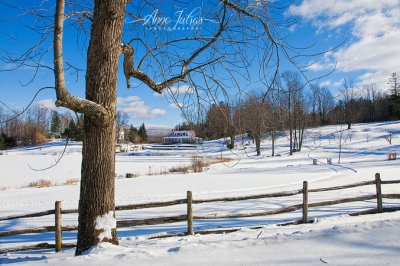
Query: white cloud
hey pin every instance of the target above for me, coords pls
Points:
(128, 99)
(335, 13)
(158, 111)
(176, 105)
(46, 103)
(175, 90)
(315, 66)
(325, 83)
(180, 90)
(338, 83)
(136, 108)
(375, 27)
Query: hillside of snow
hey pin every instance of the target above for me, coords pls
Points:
(334, 238)
(157, 130)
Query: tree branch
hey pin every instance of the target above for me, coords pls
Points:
(130, 71)
(96, 112)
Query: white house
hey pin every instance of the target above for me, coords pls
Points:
(182, 136)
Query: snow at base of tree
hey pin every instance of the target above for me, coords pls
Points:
(105, 223)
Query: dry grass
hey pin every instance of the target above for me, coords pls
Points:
(159, 171)
(41, 183)
(72, 181)
(179, 169)
(198, 164)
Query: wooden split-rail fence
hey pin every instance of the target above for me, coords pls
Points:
(189, 217)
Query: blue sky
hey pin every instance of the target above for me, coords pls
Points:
(370, 53)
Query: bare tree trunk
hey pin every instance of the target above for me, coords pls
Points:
(295, 143)
(290, 129)
(301, 137)
(232, 140)
(273, 143)
(258, 143)
(98, 155)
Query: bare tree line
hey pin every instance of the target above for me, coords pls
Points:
(291, 106)
(32, 127)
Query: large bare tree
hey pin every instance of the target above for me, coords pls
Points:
(210, 61)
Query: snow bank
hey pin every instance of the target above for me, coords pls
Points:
(363, 240)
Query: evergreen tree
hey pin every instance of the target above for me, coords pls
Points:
(55, 126)
(74, 131)
(8, 142)
(2, 142)
(133, 135)
(142, 133)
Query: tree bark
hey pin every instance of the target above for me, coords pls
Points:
(98, 155)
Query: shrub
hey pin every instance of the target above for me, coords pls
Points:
(179, 169)
(40, 138)
(72, 181)
(41, 183)
(197, 165)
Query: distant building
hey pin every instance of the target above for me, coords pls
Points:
(121, 135)
(182, 136)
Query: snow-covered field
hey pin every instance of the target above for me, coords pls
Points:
(334, 238)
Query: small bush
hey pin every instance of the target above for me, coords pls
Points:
(197, 165)
(41, 183)
(40, 138)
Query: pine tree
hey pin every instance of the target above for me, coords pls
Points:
(394, 81)
(55, 123)
(133, 135)
(8, 142)
(74, 130)
(142, 133)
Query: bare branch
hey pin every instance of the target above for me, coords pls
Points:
(26, 108)
(130, 71)
(95, 111)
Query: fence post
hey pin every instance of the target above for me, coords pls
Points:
(378, 192)
(189, 213)
(58, 226)
(305, 202)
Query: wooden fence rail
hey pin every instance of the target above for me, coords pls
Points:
(189, 217)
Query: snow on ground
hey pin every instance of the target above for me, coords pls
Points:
(334, 241)
(335, 238)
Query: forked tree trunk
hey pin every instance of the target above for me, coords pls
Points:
(98, 155)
